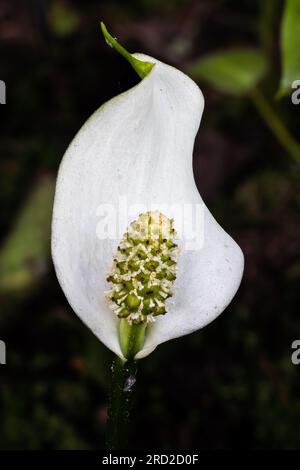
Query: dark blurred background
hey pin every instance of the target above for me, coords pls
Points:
(232, 384)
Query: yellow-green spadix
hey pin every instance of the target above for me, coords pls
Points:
(139, 146)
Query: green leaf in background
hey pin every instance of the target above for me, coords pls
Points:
(235, 71)
(63, 18)
(290, 46)
(24, 257)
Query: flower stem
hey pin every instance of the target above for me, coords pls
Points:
(123, 381)
(276, 125)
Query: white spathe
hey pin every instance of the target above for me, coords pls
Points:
(139, 145)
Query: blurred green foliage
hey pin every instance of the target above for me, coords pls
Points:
(25, 254)
(63, 19)
(235, 71)
(239, 72)
(290, 39)
(231, 385)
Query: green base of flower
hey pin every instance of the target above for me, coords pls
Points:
(132, 337)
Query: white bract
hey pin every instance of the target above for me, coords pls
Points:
(139, 145)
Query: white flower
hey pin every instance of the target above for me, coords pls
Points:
(139, 145)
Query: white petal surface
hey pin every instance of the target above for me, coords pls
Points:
(139, 145)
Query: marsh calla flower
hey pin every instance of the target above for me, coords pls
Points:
(139, 145)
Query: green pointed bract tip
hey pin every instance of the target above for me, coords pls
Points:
(141, 68)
